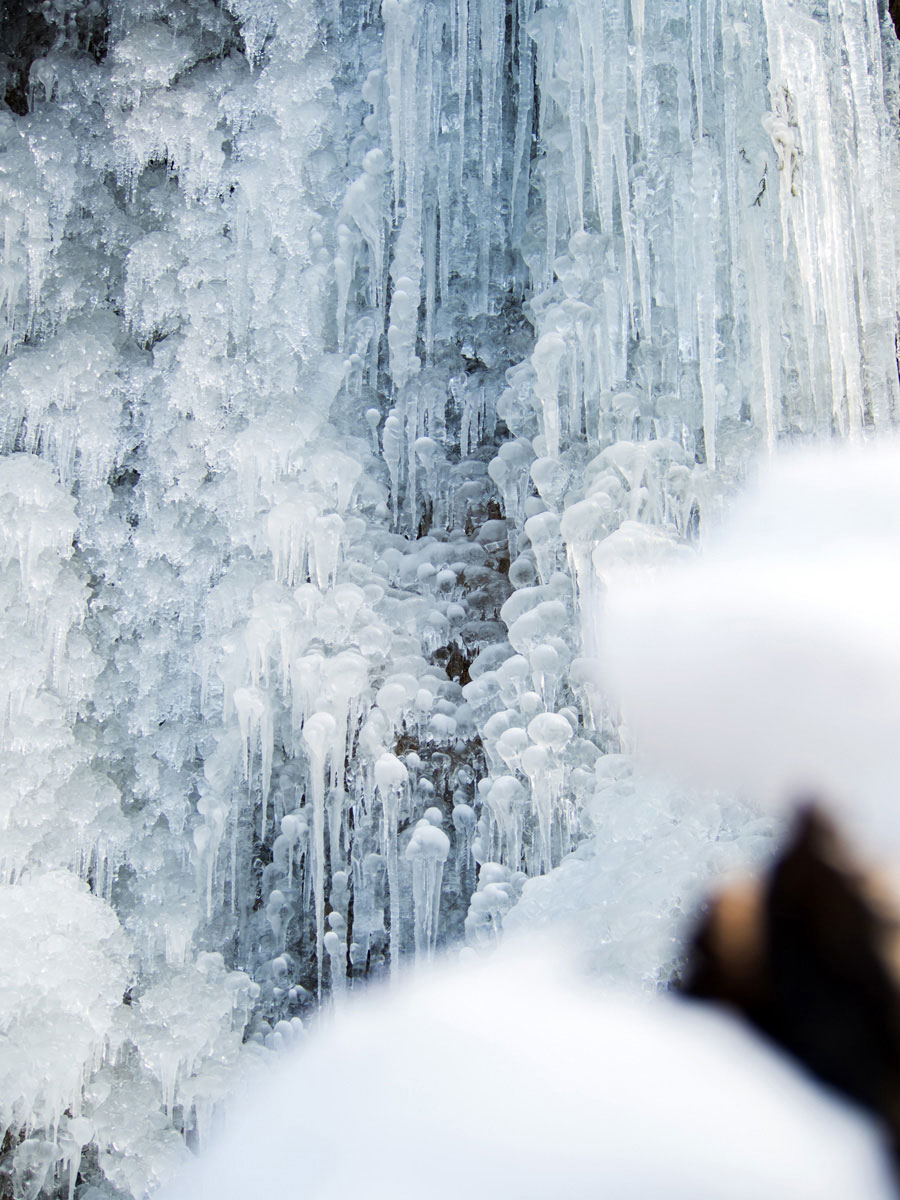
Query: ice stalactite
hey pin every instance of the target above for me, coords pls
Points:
(318, 734)
(427, 850)
(391, 780)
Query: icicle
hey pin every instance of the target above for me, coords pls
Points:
(406, 271)
(391, 779)
(289, 528)
(706, 218)
(462, 80)
(547, 359)
(336, 947)
(318, 736)
(401, 19)
(255, 718)
(391, 443)
(696, 7)
(326, 545)
(524, 113)
(427, 850)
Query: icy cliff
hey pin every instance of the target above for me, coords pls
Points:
(346, 348)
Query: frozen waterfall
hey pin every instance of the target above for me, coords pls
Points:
(347, 346)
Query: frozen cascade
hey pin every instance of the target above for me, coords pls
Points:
(347, 348)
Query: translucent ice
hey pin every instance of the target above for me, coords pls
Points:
(350, 350)
(427, 850)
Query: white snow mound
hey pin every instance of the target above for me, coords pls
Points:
(508, 1078)
(772, 662)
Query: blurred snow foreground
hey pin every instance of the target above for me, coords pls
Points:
(771, 663)
(514, 1078)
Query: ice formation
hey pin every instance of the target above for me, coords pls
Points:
(348, 349)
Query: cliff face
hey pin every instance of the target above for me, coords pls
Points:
(346, 348)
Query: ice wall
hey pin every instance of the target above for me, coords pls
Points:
(710, 280)
(346, 347)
